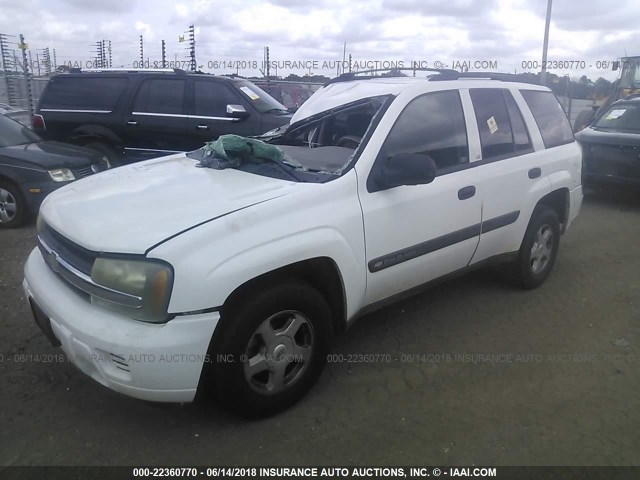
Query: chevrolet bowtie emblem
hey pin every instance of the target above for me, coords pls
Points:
(52, 260)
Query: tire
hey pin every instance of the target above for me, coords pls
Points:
(538, 250)
(13, 208)
(115, 159)
(284, 367)
(583, 119)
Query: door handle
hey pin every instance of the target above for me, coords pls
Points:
(466, 192)
(132, 122)
(203, 127)
(535, 173)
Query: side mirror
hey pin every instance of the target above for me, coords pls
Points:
(405, 169)
(237, 111)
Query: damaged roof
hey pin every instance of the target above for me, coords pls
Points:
(336, 94)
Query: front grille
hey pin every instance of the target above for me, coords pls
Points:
(75, 255)
(90, 169)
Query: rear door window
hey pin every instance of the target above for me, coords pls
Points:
(83, 93)
(550, 117)
(521, 139)
(494, 126)
(212, 98)
(159, 95)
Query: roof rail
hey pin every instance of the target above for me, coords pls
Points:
(128, 70)
(503, 77)
(345, 77)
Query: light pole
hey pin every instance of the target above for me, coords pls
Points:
(543, 74)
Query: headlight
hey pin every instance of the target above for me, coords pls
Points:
(61, 175)
(149, 280)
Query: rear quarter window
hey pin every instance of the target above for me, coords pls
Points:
(550, 117)
(86, 93)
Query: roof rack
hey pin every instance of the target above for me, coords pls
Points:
(345, 77)
(128, 70)
(503, 77)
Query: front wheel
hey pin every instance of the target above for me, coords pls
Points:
(270, 349)
(12, 206)
(539, 248)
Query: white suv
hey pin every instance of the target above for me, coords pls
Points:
(160, 278)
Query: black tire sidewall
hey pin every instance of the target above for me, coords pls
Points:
(21, 206)
(236, 328)
(112, 155)
(541, 215)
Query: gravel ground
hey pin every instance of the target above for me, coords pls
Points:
(474, 372)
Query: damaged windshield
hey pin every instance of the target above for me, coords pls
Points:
(317, 149)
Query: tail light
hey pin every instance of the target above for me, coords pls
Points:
(37, 122)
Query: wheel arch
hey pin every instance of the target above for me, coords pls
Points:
(321, 273)
(559, 201)
(89, 133)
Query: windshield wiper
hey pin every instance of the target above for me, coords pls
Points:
(277, 110)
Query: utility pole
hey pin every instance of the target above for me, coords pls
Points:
(192, 47)
(5, 57)
(27, 78)
(349, 63)
(266, 59)
(99, 60)
(47, 61)
(164, 55)
(141, 53)
(55, 62)
(545, 44)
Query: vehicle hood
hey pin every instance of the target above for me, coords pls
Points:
(51, 154)
(608, 137)
(134, 208)
(335, 94)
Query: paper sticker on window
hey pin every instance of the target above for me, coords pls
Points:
(613, 114)
(493, 125)
(249, 93)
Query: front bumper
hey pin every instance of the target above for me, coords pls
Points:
(148, 361)
(631, 182)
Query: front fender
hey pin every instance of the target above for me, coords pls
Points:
(214, 259)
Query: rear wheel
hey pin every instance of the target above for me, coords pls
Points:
(109, 152)
(270, 349)
(539, 248)
(12, 206)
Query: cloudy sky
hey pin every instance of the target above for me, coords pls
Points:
(233, 33)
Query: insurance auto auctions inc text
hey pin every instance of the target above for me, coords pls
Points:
(375, 472)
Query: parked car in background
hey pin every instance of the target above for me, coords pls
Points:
(131, 115)
(611, 145)
(17, 114)
(31, 168)
(291, 95)
(241, 273)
